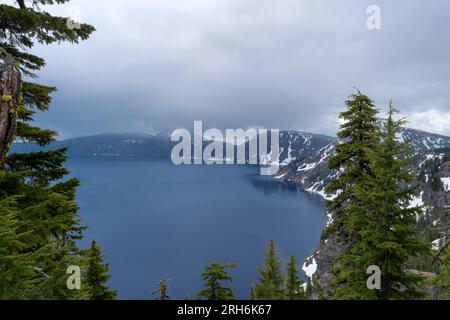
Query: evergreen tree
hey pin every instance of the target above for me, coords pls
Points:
(442, 281)
(359, 134)
(45, 207)
(388, 238)
(294, 287)
(16, 276)
(97, 275)
(162, 292)
(270, 285)
(214, 274)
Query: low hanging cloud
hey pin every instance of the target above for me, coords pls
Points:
(432, 120)
(285, 64)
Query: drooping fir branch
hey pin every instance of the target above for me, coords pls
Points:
(24, 26)
(20, 28)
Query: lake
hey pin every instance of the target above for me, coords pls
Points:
(156, 221)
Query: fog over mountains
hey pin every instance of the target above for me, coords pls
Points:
(295, 146)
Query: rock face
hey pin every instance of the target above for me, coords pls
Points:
(327, 251)
(296, 145)
(432, 174)
(312, 173)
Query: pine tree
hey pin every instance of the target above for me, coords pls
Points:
(97, 275)
(358, 135)
(214, 275)
(294, 287)
(388, 238)
(162, 292)
(45, 204)
(270, 285)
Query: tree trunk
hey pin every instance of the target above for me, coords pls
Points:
(10, 80)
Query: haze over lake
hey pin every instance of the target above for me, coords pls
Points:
(156, 221)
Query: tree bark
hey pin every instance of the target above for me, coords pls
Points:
(21, 4)
(10, 80)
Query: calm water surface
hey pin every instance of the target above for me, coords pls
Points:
(155, 221)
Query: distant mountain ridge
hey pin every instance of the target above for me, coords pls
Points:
(294, 145)
(302, 155)
(312, 174)
(109, 145)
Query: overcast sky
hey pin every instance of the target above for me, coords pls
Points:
(288, 64)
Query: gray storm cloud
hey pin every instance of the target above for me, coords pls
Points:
(285, 64)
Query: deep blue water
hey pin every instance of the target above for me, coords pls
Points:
(155, 221)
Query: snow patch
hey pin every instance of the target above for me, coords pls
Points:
(329, 221)
(437, 244)
(280, 176)
(289, 158)
(317, 188)
(416, 202)
(446, 183)
(310, 268)
(307, 167)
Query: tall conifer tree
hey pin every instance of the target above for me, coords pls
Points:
(387, 225)
(97, 275)
(45, 207)
(294, 289)
(214, 275)
(270, 284)
(359, 135)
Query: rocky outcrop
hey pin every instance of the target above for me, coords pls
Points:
(328, 250)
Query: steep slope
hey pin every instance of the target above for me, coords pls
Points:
(421, 140)
(431, 162)
(313, 175)
(296, 145)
